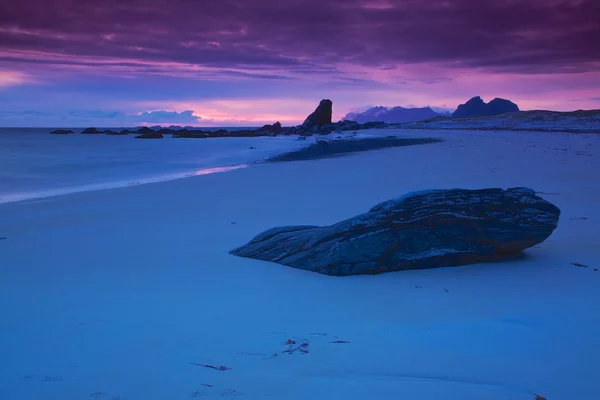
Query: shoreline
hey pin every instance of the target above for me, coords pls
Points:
(15, 198)
(323, 147)
(306, 152)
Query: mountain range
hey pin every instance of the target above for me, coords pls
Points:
(392, 115)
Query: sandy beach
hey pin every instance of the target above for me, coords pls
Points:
(115, 294)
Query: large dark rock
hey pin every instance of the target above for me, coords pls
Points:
(428, 229)
(476, 107)
(321, 115)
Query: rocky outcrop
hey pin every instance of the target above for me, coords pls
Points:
(91, 131)
(428, 229)
(61, 132)
(319, 123)
(113, 133)
(185, 133)
(321, 116)
(144, 130)
(476, 107)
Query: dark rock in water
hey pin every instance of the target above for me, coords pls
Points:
(321, 115)
(144, 130)
(476, 107)
(334, 148)
(150, 135)
(91, 131)
(301, 138)
(61, 132)
(113, 133)
(275, 128)
(167, 131)
(126, 132)
(428, 229)
(187, 134)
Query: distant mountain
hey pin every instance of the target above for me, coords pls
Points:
(392, 115)
(580, 121)
(476, 107)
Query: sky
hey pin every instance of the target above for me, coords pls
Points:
(111, 63)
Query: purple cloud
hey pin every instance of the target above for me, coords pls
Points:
(536, 36)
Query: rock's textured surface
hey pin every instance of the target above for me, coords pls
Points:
(61, 132)
(428, 229)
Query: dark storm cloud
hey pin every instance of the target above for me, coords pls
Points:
(527, 36)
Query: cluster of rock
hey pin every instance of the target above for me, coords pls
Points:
(319, 122)
(428, 229)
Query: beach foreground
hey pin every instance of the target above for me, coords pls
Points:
(114, 294)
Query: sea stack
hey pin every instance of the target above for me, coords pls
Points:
(321, 116)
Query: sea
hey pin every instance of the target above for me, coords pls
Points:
(35, 164)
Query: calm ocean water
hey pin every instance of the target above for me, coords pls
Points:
(34, 163)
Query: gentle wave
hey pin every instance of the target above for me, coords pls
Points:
(114, 185)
